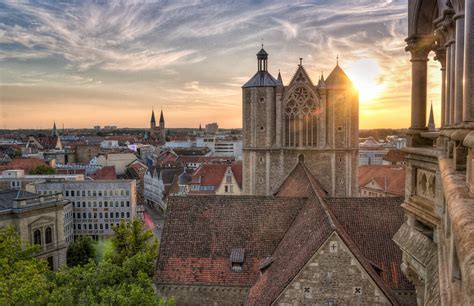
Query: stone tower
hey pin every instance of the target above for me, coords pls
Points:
(300, 121)
(152, 124)
(162, 126)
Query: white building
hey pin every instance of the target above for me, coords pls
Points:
(153, 189)
(16, 179)
(109, 144)
(97, 205)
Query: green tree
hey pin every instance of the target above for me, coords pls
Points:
(23, 279)
(43, 169)
(80, 251)
(135, 246)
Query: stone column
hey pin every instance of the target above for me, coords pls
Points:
(458, 68)
(452, 96)
(419, 48)
(441, 57)
(468, 95)
(447, 97)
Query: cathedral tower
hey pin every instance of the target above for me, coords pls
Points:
(162, 126)
(152, 124)
(300, 121)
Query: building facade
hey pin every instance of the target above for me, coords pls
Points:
(437, 238)
(45, 220)
(315, 122)
(97, 205)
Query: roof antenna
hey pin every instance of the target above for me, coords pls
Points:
(262, 42)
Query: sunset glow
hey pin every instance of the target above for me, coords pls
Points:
(368, 79)
(99, 63)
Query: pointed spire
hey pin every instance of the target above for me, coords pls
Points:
(280, 80)
(200, 128)
(431, 122)
(162, 118)
(152, 120)
(337, 59)
(54, 132)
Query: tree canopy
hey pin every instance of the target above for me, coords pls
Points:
(121, 276)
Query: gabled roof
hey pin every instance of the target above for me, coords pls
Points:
(213, 174)
(105, 173)
(300, 182)
(201, 231)
(371, 223)
(390, 178)
(338, 79)
(301, 76)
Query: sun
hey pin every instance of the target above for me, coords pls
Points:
(367, 78)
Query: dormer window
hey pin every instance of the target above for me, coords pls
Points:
(237, 259)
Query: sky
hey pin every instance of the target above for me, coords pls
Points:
(87, 63)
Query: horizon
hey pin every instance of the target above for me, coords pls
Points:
(93, 63)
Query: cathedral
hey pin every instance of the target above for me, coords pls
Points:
(157, 133)
(317, 123)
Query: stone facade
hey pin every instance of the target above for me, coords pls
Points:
(41, 220)
(437, 238)
(333, 273)
(282, 124)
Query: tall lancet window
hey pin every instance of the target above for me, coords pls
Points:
(302, 112)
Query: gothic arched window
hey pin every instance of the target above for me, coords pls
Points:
(302, 112)
(48, 235)
(37, 237)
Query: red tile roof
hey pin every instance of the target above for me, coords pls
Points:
(105, 173)
(213, 174)
(390, 178)
(201, 231)
(27, 164)
(279, 234)
(371, 224)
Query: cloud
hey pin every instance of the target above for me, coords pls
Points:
(289, 29)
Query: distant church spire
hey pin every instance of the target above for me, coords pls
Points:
(280, 80)
(431, 123)
(152, 120)
(162, 118)
(54, 132)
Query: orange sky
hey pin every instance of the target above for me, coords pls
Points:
(112, 63)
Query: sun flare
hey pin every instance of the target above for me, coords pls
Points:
(367, 78)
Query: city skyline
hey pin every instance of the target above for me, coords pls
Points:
(92, 64)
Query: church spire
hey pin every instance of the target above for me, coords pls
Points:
(162, 118)
(54, 132)
(280, 80)
(152, 120)
(431, 122)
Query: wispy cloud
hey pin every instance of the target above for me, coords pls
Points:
(194, 55)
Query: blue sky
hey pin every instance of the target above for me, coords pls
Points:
(85, 63)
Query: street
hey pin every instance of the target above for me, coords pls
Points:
(152, 217)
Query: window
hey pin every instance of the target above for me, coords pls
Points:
(106, 226)
(90, 226)
(100, 203)
(72, 193)
(122, 215)
(79, 226)
(106, 215)
(95, 226)
(106, 204)
(128, 203)
(128, 215)
(50, 262)
(101, 226)
(49, 235)
(67, 193)
(37, 237)
(228, 179)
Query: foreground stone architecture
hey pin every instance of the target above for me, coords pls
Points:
(296, 247)
(282, 123)
(45, 220)
(437, 238)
